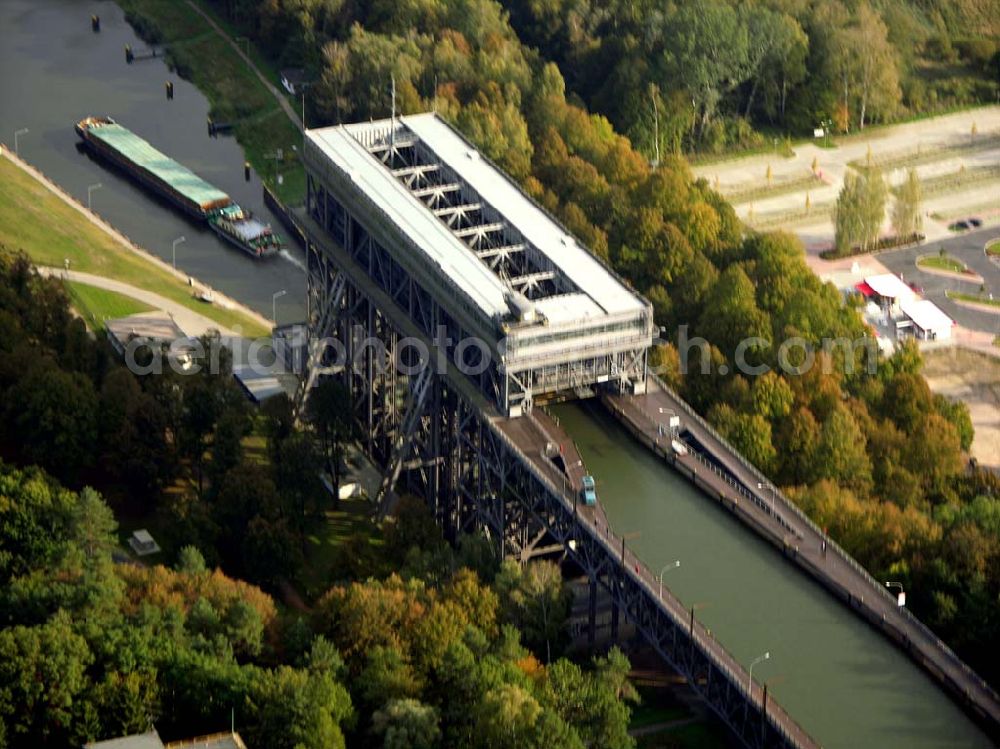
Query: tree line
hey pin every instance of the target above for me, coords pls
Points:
(93, 648)
(702, 75)
(411, 643)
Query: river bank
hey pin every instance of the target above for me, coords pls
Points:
(52, 227)
(49, 47)
(200, 50)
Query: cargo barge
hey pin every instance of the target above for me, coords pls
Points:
(178, 185)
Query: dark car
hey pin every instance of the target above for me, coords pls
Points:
(959, 226)
(976, 222)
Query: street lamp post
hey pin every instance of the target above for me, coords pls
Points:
(274, 305)
(17, 134)
(754, 662)
(90, 189)
(628, 537)
(901, 598)
(173, 250)
(672, 566)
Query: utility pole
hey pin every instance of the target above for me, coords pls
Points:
(392, 121)
(656, 124)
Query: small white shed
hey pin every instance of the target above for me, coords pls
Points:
(930, 323)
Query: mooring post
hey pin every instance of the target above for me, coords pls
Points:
(95, 23)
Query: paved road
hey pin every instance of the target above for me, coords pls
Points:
(967, 248)
(190, 322)
(789, 528)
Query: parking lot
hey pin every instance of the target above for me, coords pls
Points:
(957, 157)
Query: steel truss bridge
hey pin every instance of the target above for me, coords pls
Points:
(437, 436)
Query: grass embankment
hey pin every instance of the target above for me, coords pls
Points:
(993, 248)
(744, 193)
(206, 58)
(973, 298)
(35, 220)
(99, 305)
(941, 262)
(919, 155)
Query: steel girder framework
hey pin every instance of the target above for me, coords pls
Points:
(510, 382)
(514, 502)
(350, 237)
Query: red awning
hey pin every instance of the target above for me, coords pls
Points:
(865, 289)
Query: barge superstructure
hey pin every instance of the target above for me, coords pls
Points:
(179, 185)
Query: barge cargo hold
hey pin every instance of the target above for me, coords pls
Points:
(178, 184)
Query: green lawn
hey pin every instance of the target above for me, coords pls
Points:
(975, 298)
(236, 94)
(941, 262)
(993, 248)
(700, 735)
(98, 305)
(35, 220)
(353, 518)
(657, 706)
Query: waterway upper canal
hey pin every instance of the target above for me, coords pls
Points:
(844, 683)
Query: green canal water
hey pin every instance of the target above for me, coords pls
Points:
(841, 680)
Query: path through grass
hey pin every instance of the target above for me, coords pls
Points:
(96, 306)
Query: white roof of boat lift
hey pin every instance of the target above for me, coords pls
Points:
(602, 292)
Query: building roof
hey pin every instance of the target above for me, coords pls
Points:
(156, 326)
(537, 226)
(174, 174)
(890, 286)
(865, 289)
(151, 740)
(148, 740)
(600, 292)
(225, 740)
(926, 315)
(143, 536)
(431, 236)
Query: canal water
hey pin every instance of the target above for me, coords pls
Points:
(842, 681)
(55, 71)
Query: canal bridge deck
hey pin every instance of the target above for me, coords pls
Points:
(658, 615)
